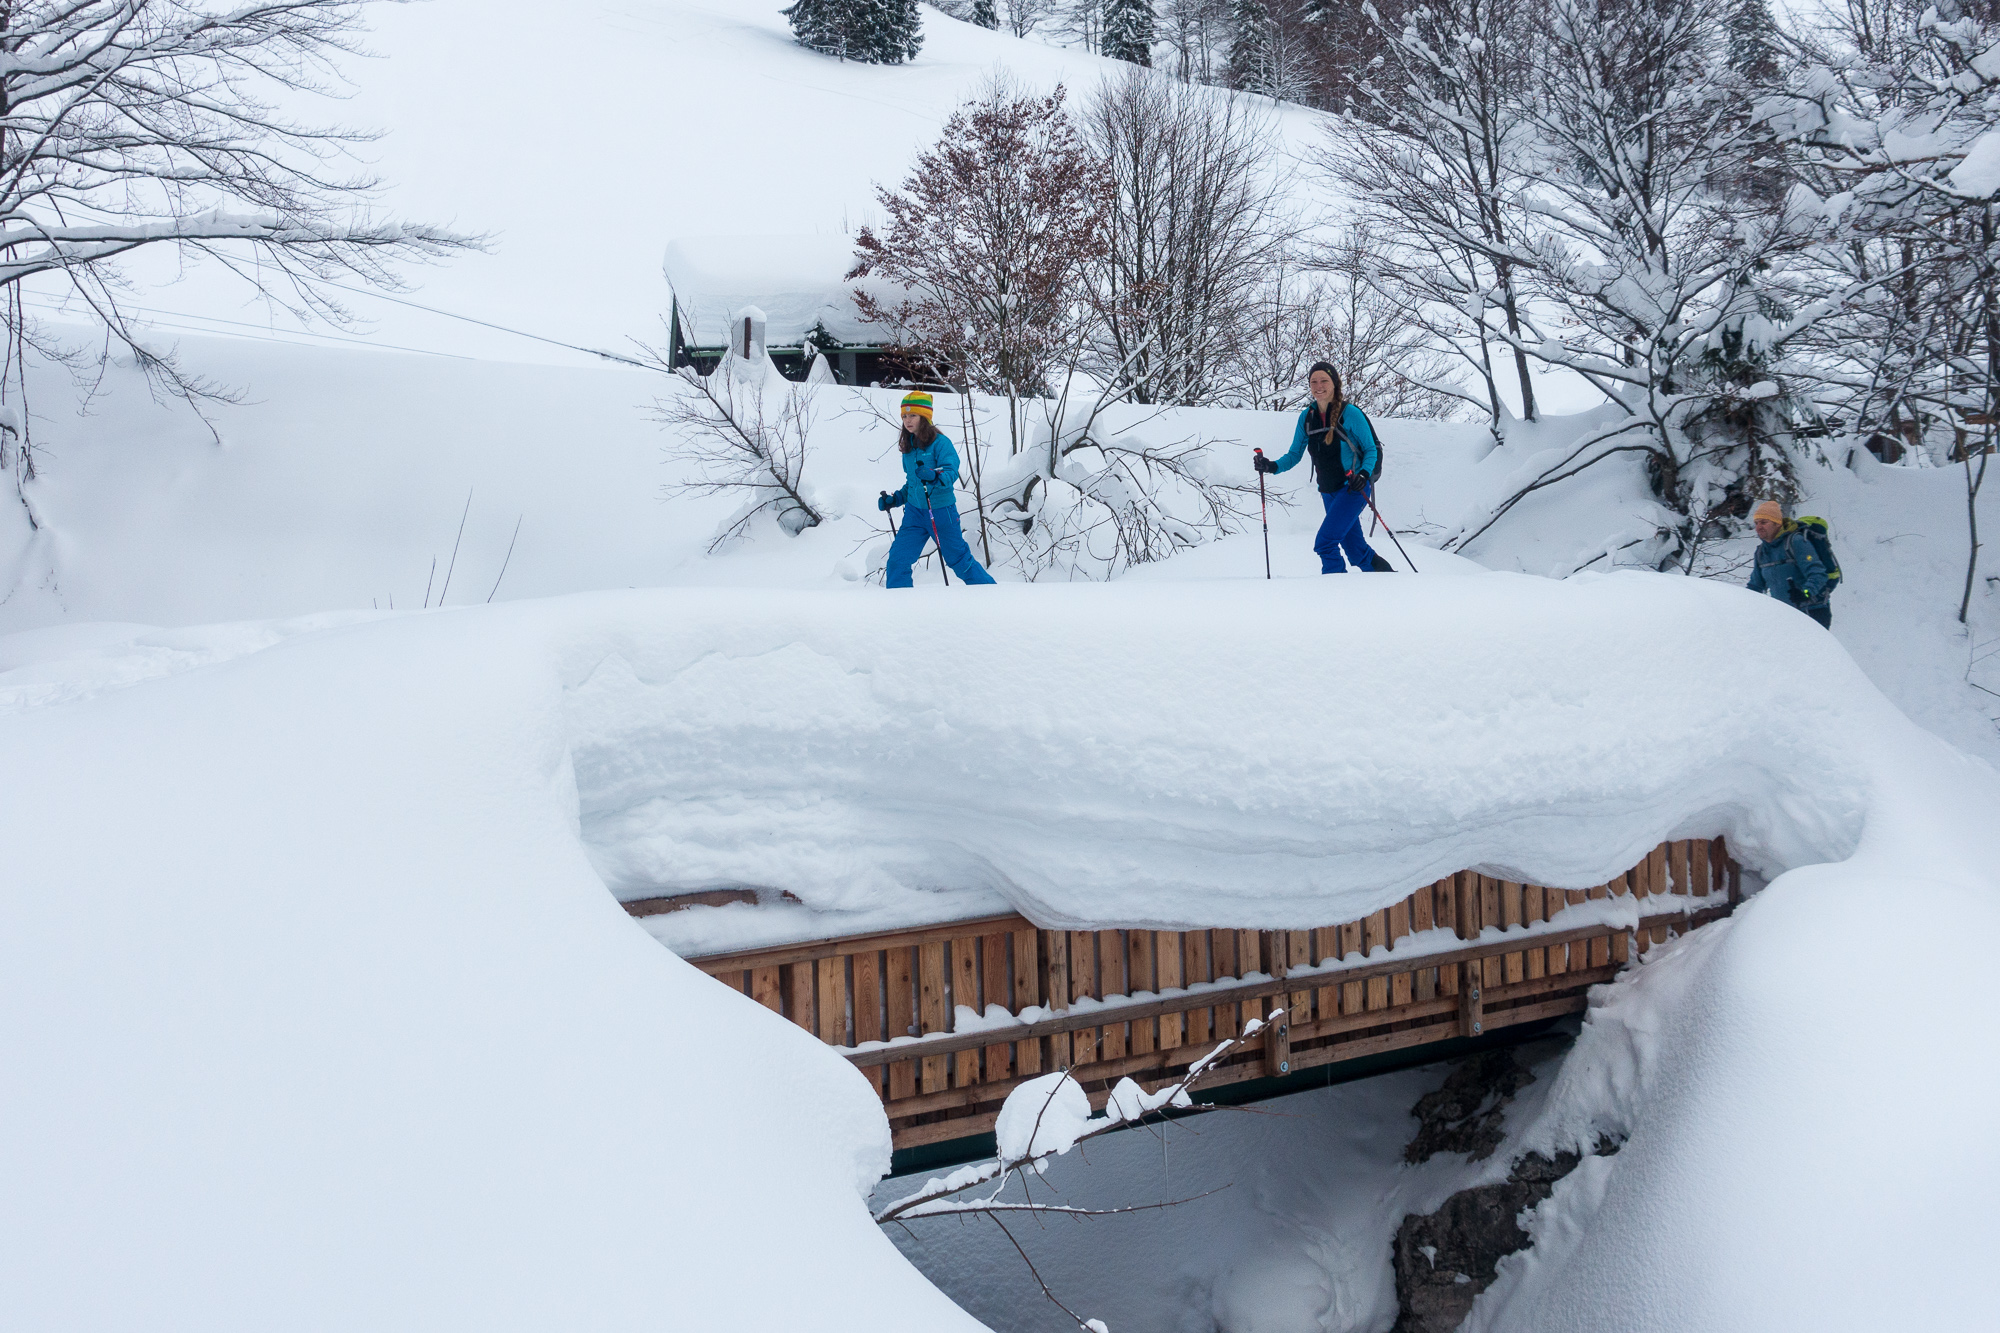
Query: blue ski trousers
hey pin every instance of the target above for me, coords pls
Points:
(915, 534)
(1341, 531)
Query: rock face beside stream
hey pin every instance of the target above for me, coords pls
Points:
(1446, 1258)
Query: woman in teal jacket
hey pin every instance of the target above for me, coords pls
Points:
(930, 476)
(1345, 459)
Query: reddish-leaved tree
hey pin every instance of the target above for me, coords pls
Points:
(989, 237)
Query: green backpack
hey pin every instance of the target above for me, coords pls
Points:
(1815, 531)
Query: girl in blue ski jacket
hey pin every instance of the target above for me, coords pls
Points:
(930, 476)
(1345, 459)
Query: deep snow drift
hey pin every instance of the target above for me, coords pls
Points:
(311, 1000)
(315, 1017)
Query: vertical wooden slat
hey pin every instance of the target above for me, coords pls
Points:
(1139, 977)
(1489, 915)
(799, 994)
(899, 1002)
(1326, 947)
(1423, 904)
(965, 994)
(868, 1019)
(1449, 915)
(996, 987)
(1111, 981)
(1084, 1042)
(1196, 965)
(1167, 946)
(1375, 935)
(1028, 971)
(832, 997)
(1275, 960)
(1352, 993)
(1656, 869)
(1399, 928)
(1699, 878)
(1515, 964)
(932, 1016)
(1224, 962)
(1599, 952)
(1534, 910)
(764, 989)
(1298, 953)
(1055, 989)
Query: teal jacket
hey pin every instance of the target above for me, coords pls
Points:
(930, 475)
(1790, 570)
(1353, 433)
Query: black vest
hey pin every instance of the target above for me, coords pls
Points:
(1324, 446)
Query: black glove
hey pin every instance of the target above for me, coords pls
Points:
(1357, 482)
(1263, 464)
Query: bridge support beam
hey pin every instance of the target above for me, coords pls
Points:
(1278, 1046)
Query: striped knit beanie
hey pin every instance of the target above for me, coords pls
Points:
(916, 400)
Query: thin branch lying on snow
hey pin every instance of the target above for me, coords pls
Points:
(1050, 1107)
(1038, 1152)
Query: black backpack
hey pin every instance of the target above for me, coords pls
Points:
(1375, 475)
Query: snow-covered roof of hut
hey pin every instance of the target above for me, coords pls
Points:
(797, 281)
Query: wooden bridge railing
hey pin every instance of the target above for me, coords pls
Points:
(946, 1020)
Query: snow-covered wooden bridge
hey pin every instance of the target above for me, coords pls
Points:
(947, 1019)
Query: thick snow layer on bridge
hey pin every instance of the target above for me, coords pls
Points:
(1219, 754)
(311, 998)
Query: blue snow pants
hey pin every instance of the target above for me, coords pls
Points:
(1340, 531)
(915, 534)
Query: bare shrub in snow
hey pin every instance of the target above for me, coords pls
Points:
(1391, 361)
(1197, 225)
(1439, 152)
(1897, 123)
(736, 441)
(132, 124)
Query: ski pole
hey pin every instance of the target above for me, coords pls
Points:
(892, 516)
(1264, 514)
(942, 568)
(1391, 531)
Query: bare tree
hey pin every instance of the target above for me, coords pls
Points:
(1440, 150)
(1341, 311)
(1024, 16)
(129, 124)
(1650, 259)
(737, 442)
(1894, 113)
(1196, 227)
(1198, 33)
(989, 236)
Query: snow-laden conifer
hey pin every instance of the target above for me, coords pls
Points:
(1128, 31)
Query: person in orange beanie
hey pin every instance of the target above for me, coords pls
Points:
(1787, 566)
